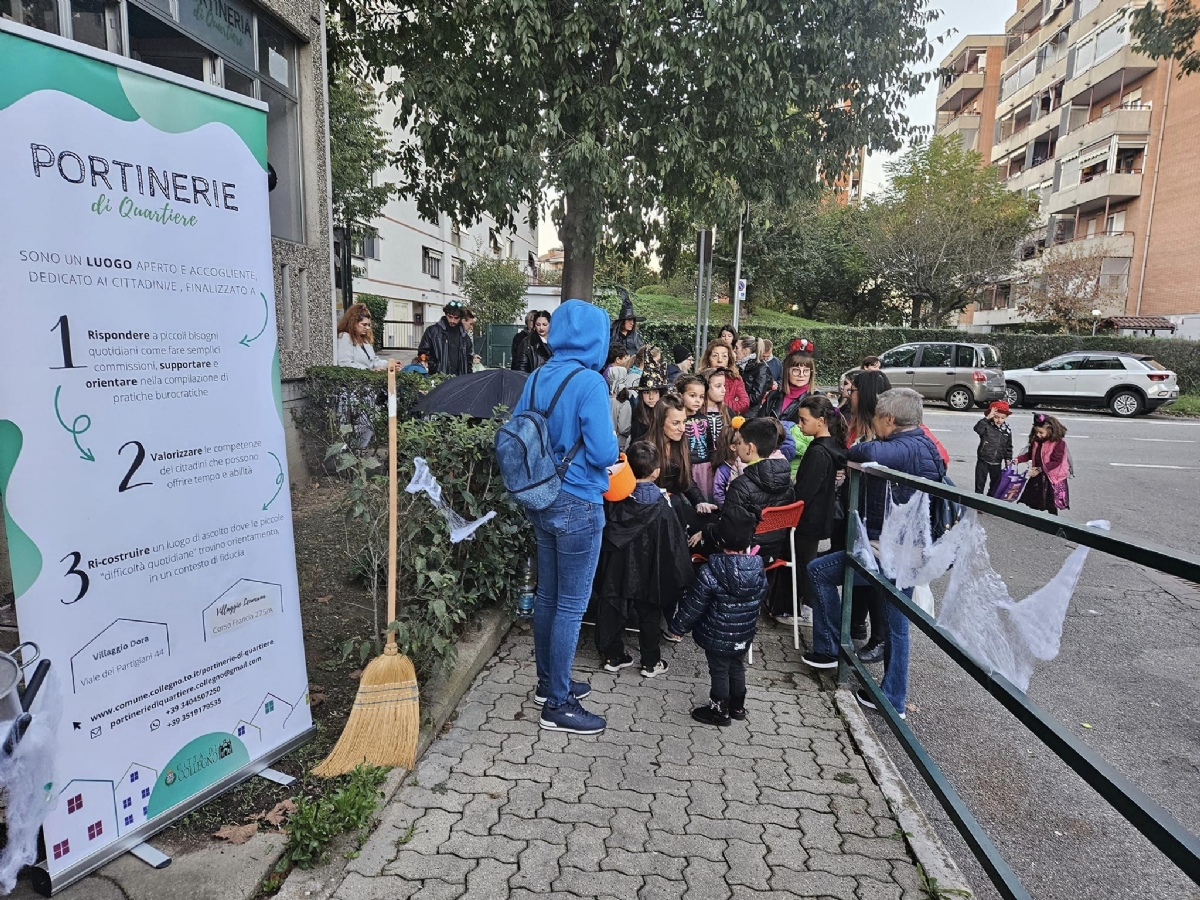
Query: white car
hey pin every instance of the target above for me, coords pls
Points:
(1127, 383)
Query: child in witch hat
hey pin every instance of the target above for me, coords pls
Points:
(723, 607)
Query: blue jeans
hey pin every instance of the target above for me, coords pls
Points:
(826, 573)
(568, 538)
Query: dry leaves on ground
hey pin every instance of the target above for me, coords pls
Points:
(237, 834)
(325, 599)
(316, 695)
(282, 810)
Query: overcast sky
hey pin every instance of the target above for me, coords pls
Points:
(960, 17)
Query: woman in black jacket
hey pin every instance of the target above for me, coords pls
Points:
(756, 374)
(535, 352)
(816, 484)
(799, 380)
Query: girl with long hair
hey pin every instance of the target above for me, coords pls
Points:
(650, 391)
(865, 389)
(674, 461)
(535, 352)
(719, 355)
(1049, 466)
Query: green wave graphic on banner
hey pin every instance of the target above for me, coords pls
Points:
(24, 557)
(203, 761)
(29, 67)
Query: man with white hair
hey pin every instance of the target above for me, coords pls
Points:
(901, 445)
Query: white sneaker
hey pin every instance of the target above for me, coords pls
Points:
(806, 616)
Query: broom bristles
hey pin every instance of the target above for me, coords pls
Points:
(384, 723)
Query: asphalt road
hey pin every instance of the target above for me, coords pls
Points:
(1129, 668)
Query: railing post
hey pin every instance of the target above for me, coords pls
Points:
(844, 639)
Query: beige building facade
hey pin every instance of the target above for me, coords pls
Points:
(1104, 138)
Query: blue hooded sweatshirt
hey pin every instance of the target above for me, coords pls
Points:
(579, 337)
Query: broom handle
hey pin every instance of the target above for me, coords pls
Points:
(390, 649)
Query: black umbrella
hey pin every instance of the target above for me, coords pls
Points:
(476, 395)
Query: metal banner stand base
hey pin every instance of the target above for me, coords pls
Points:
(151, 856)
(276, 776)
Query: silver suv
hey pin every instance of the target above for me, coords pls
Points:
(963, 375)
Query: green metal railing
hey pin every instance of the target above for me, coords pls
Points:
(1144, 813)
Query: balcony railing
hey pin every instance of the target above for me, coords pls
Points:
(1075, 239)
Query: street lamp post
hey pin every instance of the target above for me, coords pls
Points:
(1095, 321)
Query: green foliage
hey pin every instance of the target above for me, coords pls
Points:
(841, 348)
(1169, 30)
(615, 113)
(379, 310)
(358, 148)
(440, 585)
(317, 821)
(1186, 405)
(495, 289)
(946, 228)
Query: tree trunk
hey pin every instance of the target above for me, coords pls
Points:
(916, 312)
(579, 248)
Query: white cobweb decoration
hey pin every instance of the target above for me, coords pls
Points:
(1008, 635)
(27, 777)
(423, 480)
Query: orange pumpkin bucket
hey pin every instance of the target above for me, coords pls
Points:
(621, 481)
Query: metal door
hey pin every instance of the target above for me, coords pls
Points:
(498, 341)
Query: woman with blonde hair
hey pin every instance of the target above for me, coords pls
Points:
(719, 355)
(356, 340)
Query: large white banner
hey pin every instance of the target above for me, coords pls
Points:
(142, 459)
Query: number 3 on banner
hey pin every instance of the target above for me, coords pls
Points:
(73, 569)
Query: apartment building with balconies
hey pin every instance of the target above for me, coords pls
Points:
(969, 90)
(1106, 139)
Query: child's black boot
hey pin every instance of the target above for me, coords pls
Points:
(715, 713)
(737, 708)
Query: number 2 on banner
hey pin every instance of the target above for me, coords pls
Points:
(138, 459)
(63, 327)
(73, 569)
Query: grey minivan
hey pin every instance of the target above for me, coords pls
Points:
(963, 375)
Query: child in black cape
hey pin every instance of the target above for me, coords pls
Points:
(644, 565)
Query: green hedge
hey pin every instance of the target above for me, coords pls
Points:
(840, 348)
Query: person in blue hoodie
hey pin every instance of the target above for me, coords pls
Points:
(570, 529)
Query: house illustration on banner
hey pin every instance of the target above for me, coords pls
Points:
(88, 813)
(133, 796)
(271, 716)
(248, 732)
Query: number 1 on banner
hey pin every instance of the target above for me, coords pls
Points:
(63, 327)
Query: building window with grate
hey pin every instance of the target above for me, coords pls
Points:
(458, 270)
(431, 263)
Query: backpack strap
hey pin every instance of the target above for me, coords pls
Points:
(570, 457)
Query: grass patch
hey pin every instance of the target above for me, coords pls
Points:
(1186, 405)
(666, 308)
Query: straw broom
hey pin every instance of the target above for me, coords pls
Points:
(385, 720)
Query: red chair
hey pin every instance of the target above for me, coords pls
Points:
(776, 518)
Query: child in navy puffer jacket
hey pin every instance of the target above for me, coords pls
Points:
(723, 607)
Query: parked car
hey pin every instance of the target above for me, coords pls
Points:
(963, 375)
(1127, 383)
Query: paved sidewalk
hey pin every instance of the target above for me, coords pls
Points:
(656, 808)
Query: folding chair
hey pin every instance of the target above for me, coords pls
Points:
(775, 518)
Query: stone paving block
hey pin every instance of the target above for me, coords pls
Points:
(793, 799)
(740, 786)
(476, 760)
(489, 880)
(869, 889)
(655, 784)
(434, 768)
(431, 829)
(784, 848)
(628, 831)
(481, 813)
(762, 814)
(829, 753)
(521, 772)
(706, 799)
(525, 798)
(644, 864)
(568, 786)
(686, 846)
(538, 866)
(546, 830)
(848, 864)
(747, 865)
(813, 884)
(591, 884)
(425, 797)
(706, 880)
(421, 866)
(669, 813)
(576, 812)
(820, 831)
(494, 847)
(607, 774)
(585, 847)
(579, 760)
(659, 888)
(517, 748)
(723, 829)
(617, 799)
(379, 887)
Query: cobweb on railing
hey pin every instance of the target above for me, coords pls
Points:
(423, 480)
(1007, 635)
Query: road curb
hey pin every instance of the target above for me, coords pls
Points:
(448, 688)
(923, 841)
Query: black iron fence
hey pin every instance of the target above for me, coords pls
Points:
(1143, 812)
